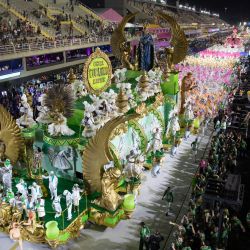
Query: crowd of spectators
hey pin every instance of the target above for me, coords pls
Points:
(183, 17)
(199, 44)
(217, 225)
(13, 31)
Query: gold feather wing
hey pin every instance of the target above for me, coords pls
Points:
(10, 135)
(178, 39)
(97, 154)
(118, 37)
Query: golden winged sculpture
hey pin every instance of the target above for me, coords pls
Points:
(120, 47)
(95, 156)
(178, 41)
(11, 141)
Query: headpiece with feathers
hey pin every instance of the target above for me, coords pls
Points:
(60, 98)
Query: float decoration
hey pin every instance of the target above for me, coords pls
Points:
(97, 72)
(11, 141)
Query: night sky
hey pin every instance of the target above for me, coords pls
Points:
(237, 11)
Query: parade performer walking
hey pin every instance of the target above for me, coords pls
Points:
(169, 198)
(194, 146)
(144, 236)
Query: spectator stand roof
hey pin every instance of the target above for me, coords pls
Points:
(109, 14)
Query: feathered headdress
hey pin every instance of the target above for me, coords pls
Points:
(60, 98)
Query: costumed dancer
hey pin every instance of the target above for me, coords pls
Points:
(19, 203)
(53, 182)
(59, 126)
(30, 205)
(144, 236)
(174, 149)
(187, 132)
(194, 146)
(40, 208)
(36, 190)
(43, 116)
(57, 206)
(76, 196)
(37, 159)
(169, 198)
(157, 140)
(69, 200)
(10, 197)
(175, 126)
(7, 175)
(22, 188)
(156, 168)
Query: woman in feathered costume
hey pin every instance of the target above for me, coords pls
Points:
(59, 100)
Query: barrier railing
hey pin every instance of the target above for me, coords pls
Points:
(27, 47)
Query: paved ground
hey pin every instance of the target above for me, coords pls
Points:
(176, 172)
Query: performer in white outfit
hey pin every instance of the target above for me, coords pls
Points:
(157, 140)
(76, 196)
(53, 182)
(35, 191)
(59, 126)
(22, 188)
(69, 202)
(40, 208)
(7, 175)
(57, 206)
(175, 126)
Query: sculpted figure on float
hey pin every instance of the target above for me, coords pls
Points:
(120, 47)
(178, 45)
(103, 179)
(11, 142)
(110, 199)
(188, 84)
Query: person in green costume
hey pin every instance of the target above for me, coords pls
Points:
(248, 219)
(144, 236)
(169, 198)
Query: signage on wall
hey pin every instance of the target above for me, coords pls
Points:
(97, 72)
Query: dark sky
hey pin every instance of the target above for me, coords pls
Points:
(237, 10)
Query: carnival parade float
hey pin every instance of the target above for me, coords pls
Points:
(83, 157)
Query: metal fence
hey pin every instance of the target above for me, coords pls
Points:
(27, 47)
(38, 46)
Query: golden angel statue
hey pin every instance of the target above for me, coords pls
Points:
(11, 142)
